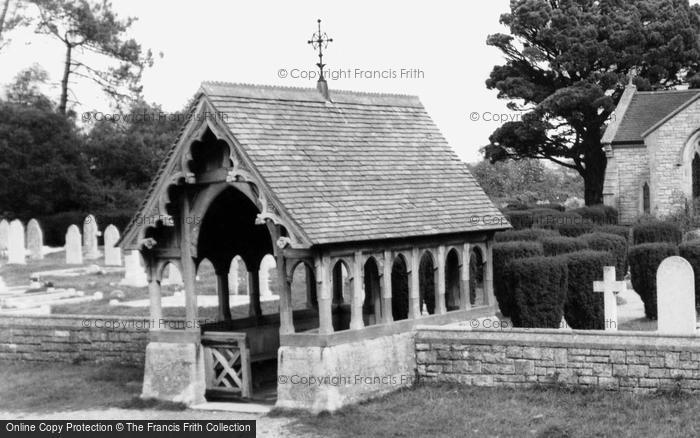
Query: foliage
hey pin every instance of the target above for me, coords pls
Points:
(11, 16)
(538, 286)
(691, 252)
(526, 181)
(599, 214)
(620, 230)
(656, 231)
(644, 261)
(94, 37)
(530, 234)
(567, 64)
(574, 230)
(612, 243)
(554, 246)
(26, 88)
(503, 254)
(584, 308)
(42, 168)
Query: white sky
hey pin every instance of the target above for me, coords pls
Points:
(250, 41)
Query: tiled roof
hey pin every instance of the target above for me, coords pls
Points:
(646, 109)
(365, 166)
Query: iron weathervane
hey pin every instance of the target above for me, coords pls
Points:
(319, 41)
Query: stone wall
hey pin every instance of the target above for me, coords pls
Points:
(625, 174)
(639, 361)
(69, 338)
(316, 378)
(671, 149)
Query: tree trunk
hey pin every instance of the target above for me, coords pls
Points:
(594, 174)
(64, 82)
(3, 15)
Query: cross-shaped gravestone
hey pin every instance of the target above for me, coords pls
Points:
(609, 286)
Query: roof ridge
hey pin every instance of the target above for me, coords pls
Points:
(289, 87)
(687, 90)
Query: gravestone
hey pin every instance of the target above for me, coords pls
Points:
(113, 254)
(4, 235)
(74, 249)
(35, 240)
(609, 286)
(266, 265)
(135, 274)
(233, 277)
(3, 286)
(174, 275)
(15, 244)
(90, 233)
(675, 297)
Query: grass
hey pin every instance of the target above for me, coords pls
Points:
(453, 411)
(48, 386)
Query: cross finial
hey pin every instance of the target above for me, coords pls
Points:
(319, 41)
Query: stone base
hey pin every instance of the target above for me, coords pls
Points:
(174, 372)
(320, 379)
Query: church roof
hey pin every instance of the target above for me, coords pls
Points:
(644, 111)
(365, 166)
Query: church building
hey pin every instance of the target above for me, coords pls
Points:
(653, 153)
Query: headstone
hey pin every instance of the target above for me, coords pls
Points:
(35, 240)
(233, 277)
(4, 235)
(675, 297)
(3, 286)
(174, 277)
(609, 287)
(266, 265)
(113, 254)
(74, 249)
(573, 203)
(90, 233)
(15, 244)
(135, 274)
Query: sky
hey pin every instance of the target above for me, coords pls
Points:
(433, 49)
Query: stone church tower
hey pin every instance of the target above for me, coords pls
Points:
(653, 151)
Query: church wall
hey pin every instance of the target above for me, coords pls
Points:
(625, 175)
(671, 184)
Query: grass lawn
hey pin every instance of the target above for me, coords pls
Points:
(452, 411)
(444, 411)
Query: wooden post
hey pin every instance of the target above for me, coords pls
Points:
(286, 318)
(488, 275)
(440, 305)
(154, 294)
(325, 299)
(358, 293)
(387, 314)
(464, 292)
(222, 291)
(254, 308)
(188, 269)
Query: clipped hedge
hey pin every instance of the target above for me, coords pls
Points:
(656, 232)
(612, 243)
(644, 260)
(539, 286)
(584, 308)
(599, 214)
(530, 234)
(691, 252)
(574, 230)
(619, 230)
(553, 219)
(554, 246)
(519, 219)
(503, 254)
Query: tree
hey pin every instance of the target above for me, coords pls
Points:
(93, 28)
(42, 170)
(26, 88)
(526, 181)
(10, 18)
(567, 63)
(125, 154)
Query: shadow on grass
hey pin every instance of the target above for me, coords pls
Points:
(151, 403)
